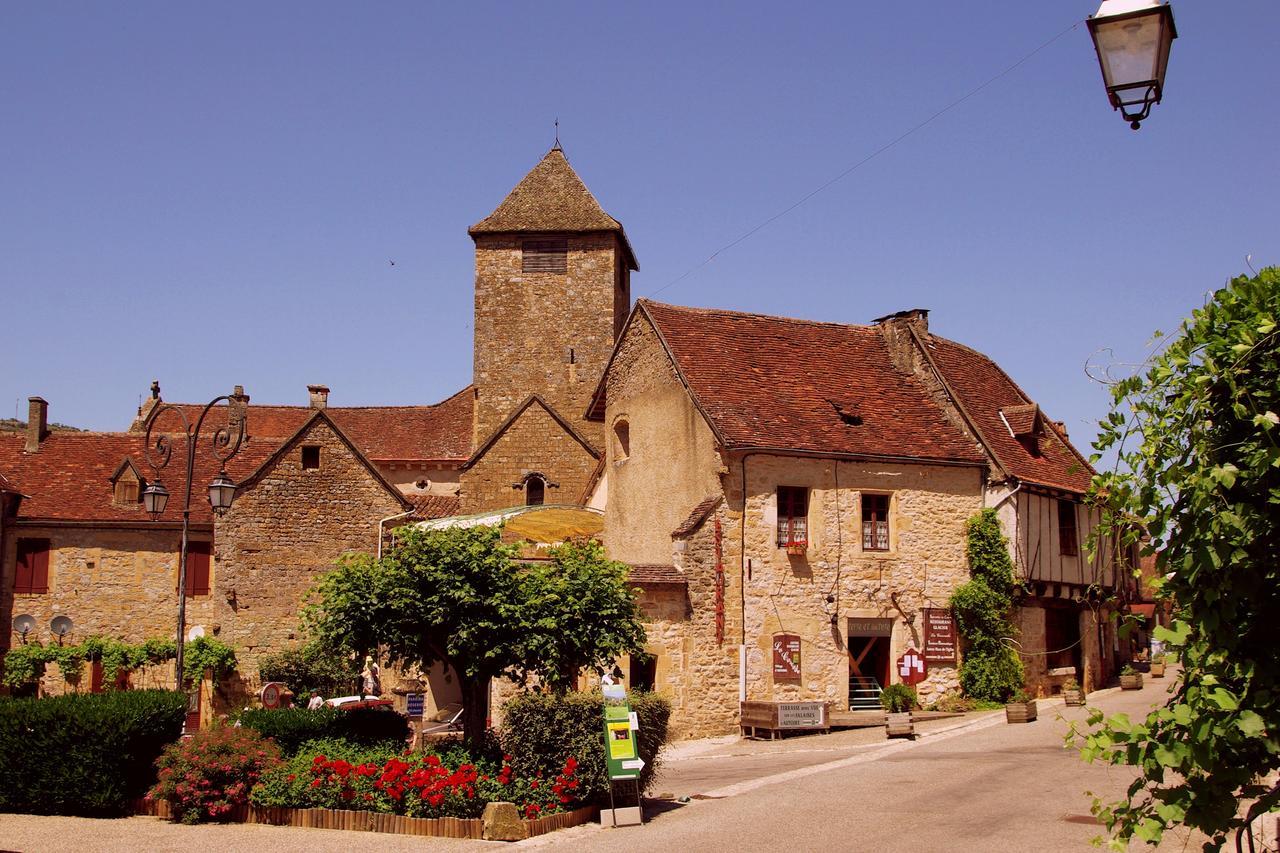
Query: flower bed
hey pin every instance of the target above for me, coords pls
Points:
(446, 827)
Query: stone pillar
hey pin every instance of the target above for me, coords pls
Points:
(37, 423)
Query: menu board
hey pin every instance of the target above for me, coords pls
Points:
(786, 657)
(939, 635)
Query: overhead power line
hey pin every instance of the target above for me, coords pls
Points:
(867, 159)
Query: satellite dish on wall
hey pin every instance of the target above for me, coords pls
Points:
(24, 625)
(196, 632)
(61, 626)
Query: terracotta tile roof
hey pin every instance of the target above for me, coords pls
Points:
(7, 485)
(70, 478)
(800, 385)
(651, 574)
(1022, 420)
(551, 198)
(696, 517)
(984, 390)
(441, 432)
(435, 506)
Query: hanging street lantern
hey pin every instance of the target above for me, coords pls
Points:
(155, 497)
(221, 493)
(1133, 38)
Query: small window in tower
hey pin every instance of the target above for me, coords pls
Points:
(544, 256)
(310, 457)
(535, 491)
(621, 440)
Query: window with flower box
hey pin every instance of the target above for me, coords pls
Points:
(875, 522)
(793, 517)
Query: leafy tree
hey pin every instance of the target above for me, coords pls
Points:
(1198, 470)
(461, 597)
(991, 670)
(312, 668)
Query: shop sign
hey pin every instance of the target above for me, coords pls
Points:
(622, 753)
(912, 668)
(414, 703)
(801, 715)
(939, 635)
(859, 627)
(786, 657)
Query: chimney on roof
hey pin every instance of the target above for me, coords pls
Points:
(37, 423)
(1062, 428)
(319, 396)
(897, 335)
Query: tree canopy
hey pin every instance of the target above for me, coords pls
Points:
(1198, 448)
(461, 597)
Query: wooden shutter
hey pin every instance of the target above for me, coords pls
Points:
(32, 576)
(198, 568)
(544, 256)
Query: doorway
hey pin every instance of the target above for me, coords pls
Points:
(868, 671)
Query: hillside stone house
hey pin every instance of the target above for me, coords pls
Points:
(769, 480)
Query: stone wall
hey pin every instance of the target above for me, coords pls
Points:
(527, 323)
(534, 442)
(282, 533)
(672, 463)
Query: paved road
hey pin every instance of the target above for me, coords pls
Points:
(990, 788)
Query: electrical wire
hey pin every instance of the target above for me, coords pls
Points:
(867, 159)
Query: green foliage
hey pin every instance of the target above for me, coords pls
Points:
(205, 653)
(1198, 452)
(540, 732)
(311, 668)
(991, 670)
(212, 772)
(291, 728)
(898, 698)
(953, 704)
(459, 596)
(25, 664)
(84, 754)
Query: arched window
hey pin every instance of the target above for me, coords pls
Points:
(621, 439)
(535, 491)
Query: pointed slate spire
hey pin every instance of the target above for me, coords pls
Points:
(551, 198)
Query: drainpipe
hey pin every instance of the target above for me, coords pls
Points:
(384, 521)
(742, 586)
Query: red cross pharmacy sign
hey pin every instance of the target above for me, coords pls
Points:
(912, 667)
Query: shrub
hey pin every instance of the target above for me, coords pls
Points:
(541, 732)
(208, 775)
(897, 698)
(953, 704)
(290, 728)
(991, 671)
(311, 669)
(84, 754)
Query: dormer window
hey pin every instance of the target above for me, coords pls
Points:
(544, 256)
(1023, 423)
(126, 485)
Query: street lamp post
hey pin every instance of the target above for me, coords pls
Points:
(1133, 38)
(224, 444)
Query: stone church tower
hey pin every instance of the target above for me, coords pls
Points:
(552, 291)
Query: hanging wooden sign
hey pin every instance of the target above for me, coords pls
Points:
(786, 657)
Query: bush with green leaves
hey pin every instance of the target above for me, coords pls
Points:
(991, 670)
(290, 728)
(1196, 434)
(312, 668)
(84, 754)
(25, 664)
(898, 698)
(540, 732)
(205, 777)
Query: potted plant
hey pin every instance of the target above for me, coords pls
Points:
(1157, 666)
(897, 701)
(1071, 692)
(1130, 679)
(1020, 708)
(797, 547)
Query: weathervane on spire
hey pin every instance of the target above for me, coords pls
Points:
(557, 145)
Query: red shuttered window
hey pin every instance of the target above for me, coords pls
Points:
(198, 559)
(793, 516)
(32, 576)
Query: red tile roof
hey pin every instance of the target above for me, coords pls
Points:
(438, 433)
(1022, 420)
(651, 574)
(984, 389)
(698, 515)
(435, 506)
(795, 384)
(69, 479)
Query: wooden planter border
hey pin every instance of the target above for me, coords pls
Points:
(365, 821)
(1020, 712)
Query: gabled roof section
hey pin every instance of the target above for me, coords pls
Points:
(803, 386)
(656, 575)
(126, 464)
(551, 199)
(71, 477)
(986, 391)
(426, 507)
(519, 410)
(438, 433)
(288, 444)
(699, 514)
(1021, 420)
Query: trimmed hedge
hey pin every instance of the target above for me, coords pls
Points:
(290, 728)
(540, 731)
(84, 754)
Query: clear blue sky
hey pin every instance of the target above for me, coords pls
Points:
(211, 194)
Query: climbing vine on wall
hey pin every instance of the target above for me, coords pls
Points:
(991, 670)
(25, 664)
